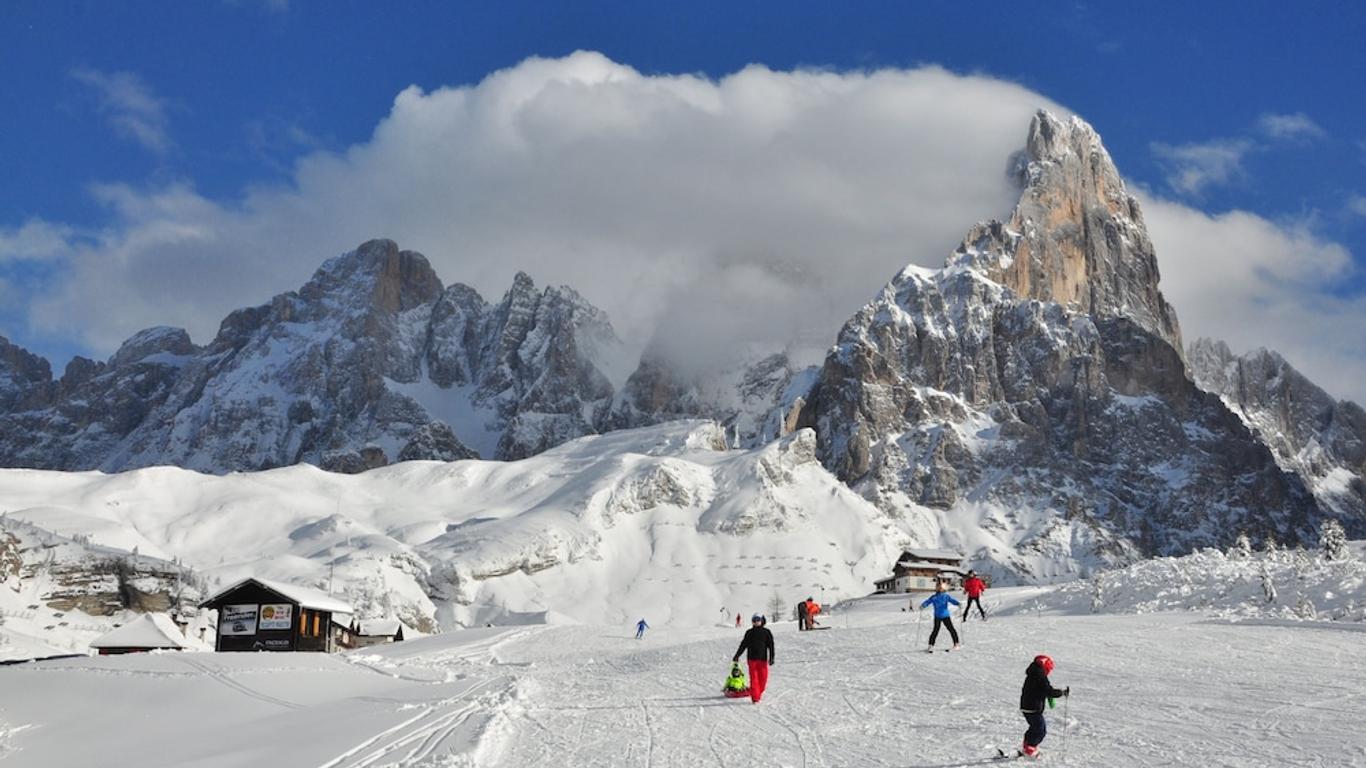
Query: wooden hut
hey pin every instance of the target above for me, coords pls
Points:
(917, 570)
(262, 615)
(148, 632)
(368, 632)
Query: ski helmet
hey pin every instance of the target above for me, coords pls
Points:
(756, 617)
(1046, 662)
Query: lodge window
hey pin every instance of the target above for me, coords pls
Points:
(303, 622)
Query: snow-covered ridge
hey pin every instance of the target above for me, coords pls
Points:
(663, 520)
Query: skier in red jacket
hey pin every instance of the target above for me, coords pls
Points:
(974, 587)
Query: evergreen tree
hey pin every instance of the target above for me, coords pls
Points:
(1268, 586)
(1242, 547)
(1333, 541)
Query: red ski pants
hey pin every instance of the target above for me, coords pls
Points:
(758, 679)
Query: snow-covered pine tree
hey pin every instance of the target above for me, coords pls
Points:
(1097, 593)
(1304, 608)
(1333, 541)
(1242, 547)
(1300, 559)
(1268, 586)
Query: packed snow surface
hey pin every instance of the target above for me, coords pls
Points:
(1149, 689)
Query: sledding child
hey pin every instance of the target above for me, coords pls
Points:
(735, 684)
(943, 615)
(1037, 689)
(974, 587)
(757, 644)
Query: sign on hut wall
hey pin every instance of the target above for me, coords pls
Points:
(276, 616)
(238, 619)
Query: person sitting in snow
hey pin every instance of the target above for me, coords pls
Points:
(942, 614)
(641, 626)
(735, 684)
(1036, 690)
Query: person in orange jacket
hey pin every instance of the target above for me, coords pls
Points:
(813, 609)
(974, 587)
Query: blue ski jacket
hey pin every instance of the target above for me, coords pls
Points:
(941, 602)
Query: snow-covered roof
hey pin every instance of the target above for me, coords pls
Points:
(306, 597)
(378, 627)
(934, 554)
(150, 630)
(922, 565)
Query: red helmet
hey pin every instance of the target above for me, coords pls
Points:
(1046, 662)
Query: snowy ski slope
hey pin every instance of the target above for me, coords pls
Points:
(1151, 689)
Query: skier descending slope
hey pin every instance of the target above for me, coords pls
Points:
(942, 614)
(757, 644)
(974, 587)
(1036, 689)
(641, 626)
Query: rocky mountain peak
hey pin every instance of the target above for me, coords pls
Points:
(388, 279)
(152, 341)
(1076, 237)
(1311, 434)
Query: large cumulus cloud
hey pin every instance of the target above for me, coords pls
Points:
(760, 209)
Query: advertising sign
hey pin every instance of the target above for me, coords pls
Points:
(237, 619)
(275, 616)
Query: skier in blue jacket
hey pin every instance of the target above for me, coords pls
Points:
(941, 601)
(641, 626)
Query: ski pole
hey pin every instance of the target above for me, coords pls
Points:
(918, 614)
(1065, 701)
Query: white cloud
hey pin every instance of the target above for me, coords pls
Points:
(757, 209)
(1191, 168)
(1254, 283)
(130, 106)
(1293, 127)
(35, 240)
(644, 192)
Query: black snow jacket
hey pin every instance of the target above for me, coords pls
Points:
(758, 642)
(1037, 689)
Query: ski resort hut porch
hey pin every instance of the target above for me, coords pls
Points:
(917, 570)
(261, 615)
(148, 632)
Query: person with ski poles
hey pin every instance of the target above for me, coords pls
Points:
(1037, 689)
(757, 645)
(943, 615)
(974, 587)
(641, 626)
(813, 609)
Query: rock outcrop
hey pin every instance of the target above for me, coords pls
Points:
(1030, 397)
(371, 361)
(1318, 438)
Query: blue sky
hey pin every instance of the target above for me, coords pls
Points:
(1215, 106)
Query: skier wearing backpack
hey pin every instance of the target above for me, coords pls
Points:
(757, 645)
(943, 615)
(974, 587)
(641, 626)
(1037, 689)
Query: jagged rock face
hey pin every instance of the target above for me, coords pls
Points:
(353, 371)
(25, 378)
(1043, 402)
(755, 401)
(1321, 439)
(1076, 237)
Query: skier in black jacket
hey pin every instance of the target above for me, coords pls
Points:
(758, 645)
(1033, 696)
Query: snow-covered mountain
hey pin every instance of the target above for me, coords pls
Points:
(664, 520)
(370, 362)
(1034, 387)
(1320, 439)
